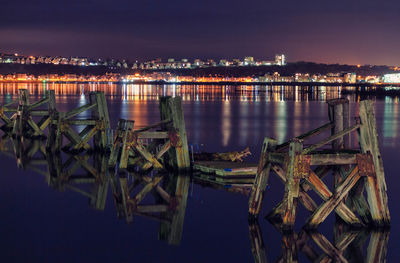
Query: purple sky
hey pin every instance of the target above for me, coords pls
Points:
(341, 31)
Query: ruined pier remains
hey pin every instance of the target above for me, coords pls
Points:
(358, 195)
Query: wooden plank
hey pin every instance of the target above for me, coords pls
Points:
(152, 135)
(74, 137)
(324, 210)
(261, 180)
(79, 110)
(38, 103)
(333, 159)
(148, 156)
(322, 190)
(38, 131)
(330, 139)
(307, 135)
(304, 198)
(149, 127)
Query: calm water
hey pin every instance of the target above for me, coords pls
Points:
(42, 224)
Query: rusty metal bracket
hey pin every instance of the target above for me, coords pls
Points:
(173, 136)
(365, 165)
(302, 165)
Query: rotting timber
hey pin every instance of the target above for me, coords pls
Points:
(357, 173)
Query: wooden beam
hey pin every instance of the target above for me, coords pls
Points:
(330, 139)
(326, 208)
(307, 135)
(261, 180)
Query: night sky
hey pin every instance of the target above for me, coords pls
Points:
(341, 31)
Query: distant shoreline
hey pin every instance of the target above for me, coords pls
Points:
(221, 83)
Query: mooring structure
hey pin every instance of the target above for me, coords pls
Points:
(301, 169)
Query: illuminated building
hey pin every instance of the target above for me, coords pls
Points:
(391, 78)
(248, 61)
(280, 59)
(350, 77)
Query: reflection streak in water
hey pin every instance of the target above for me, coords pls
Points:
(89, 176)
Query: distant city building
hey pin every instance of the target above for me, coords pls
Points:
(391, 78)
(248, 61)
(280, 59)
(350, 77)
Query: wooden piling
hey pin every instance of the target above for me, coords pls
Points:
(368, 139)
(292, 185)
(171, 109)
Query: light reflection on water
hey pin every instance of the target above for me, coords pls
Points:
(228, 118)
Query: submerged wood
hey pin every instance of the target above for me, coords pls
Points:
(235, 156)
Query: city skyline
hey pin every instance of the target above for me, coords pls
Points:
(334, 32)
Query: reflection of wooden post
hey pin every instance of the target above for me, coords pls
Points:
(376, 185)
(261, 180)
(289, 250)
(257, 243)
(377, 248)
(51, 137)
(178, 188)
(100, 188)
(171, 109)
(181, 194)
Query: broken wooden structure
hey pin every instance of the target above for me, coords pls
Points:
(161, 146)
(302, 169)
(96, 128)
(22, 117)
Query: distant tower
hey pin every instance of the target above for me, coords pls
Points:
(280, 59)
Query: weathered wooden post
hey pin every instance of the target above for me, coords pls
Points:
(292, 186)
(100, 113)
(171, 109)
(261, 180)
(336, 116)
(375, 184)
(19, 122)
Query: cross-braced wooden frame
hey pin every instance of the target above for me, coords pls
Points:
(302, 168)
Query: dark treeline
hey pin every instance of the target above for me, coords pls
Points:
(41, 69)
(288, 70)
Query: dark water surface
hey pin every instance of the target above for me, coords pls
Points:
(42, 224)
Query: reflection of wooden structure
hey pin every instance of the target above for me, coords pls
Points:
(347, 246)
(88, 174)
(168, 205)
(352, 170)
